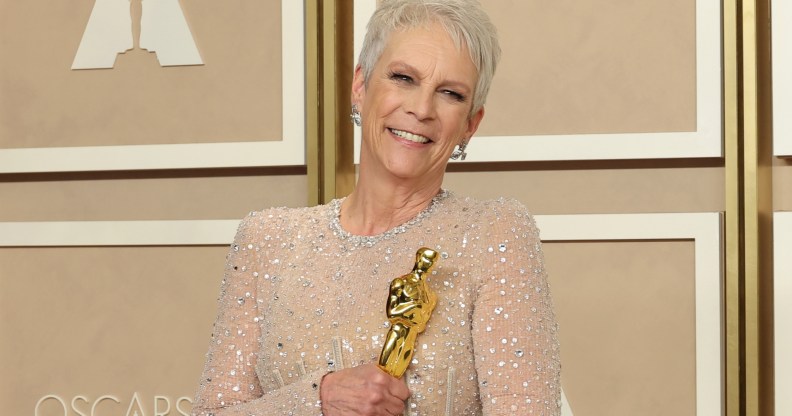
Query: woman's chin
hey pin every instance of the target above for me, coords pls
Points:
(411, 169)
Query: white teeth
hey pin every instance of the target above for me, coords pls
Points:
(409, 136)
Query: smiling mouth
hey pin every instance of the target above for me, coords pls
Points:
(415, 138)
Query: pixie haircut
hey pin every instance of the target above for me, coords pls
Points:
(464, 20)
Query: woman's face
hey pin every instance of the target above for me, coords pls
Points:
(416, 106)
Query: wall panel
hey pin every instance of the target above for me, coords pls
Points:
(601, 189)
(582, 80)
(782, 201)
(137, 101)
(132, 197)
(104, 321)
(627, 322)
(110, 308)
(588, 285)
(139, 115)
(782, 184)
(783, 327)
(782, 77)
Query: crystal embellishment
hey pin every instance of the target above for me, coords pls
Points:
(371, 240)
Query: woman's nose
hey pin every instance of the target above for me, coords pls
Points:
(421, 104)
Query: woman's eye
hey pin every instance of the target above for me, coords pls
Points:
(400, 77)
(455, 95)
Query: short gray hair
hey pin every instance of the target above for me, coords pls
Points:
(464, 20)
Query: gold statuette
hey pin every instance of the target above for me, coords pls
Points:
(410, 304)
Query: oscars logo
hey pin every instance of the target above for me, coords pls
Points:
(163, 30)
(109, 404)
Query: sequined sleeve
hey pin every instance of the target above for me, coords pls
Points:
(229, 385)
(514, 327)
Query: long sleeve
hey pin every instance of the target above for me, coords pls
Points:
(514, 327)
(229, 385)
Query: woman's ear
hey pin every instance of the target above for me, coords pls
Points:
(474, 121)
(358, 93)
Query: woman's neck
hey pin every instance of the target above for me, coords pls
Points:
(372, 210)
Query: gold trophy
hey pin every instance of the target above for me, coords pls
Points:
(410, 304)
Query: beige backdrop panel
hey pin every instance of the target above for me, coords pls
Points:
(207, 197)
(602, 190)
(104, 321)
(587, 66)
(627, 316)
(229, 99)
(782, 185)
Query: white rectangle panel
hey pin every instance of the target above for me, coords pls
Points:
(288, 150)
(706, 141)
(782, 78)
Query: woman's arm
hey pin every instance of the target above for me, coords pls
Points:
(229, 384)
(514, 327)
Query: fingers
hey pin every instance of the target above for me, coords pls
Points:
(386, 389)
(394, 408)
(381, 402)
(363, 390)
(394, 386)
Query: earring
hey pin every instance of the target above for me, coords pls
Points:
(355, 116)
(459, 152)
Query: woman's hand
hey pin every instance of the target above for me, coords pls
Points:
(364, 390)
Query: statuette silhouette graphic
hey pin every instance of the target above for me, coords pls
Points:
(163, 30)
(409, 307)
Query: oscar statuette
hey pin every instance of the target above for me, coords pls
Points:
(409, 307)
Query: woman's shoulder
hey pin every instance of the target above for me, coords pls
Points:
(493, 207)
(495, 216)
(283, 212)
(282, 218)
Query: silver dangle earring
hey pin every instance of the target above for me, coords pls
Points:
(355, 116)
(459, 152)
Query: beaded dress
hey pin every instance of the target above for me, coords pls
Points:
(301, 297)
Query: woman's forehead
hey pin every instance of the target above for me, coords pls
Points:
(431, 43)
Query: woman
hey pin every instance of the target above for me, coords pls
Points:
(301, 317)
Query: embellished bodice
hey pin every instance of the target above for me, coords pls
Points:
(301, 297)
